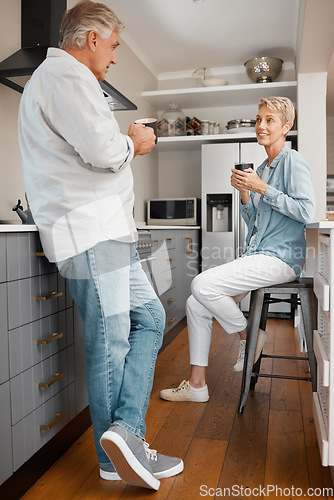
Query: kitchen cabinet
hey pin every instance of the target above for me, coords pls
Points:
(175, 262)
(37, 350)
(6, 465)
(323, 398)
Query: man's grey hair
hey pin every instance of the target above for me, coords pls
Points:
(84, 17)
(281, 104)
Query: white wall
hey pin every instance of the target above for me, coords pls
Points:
(330, 145)
(130, 76)
(311, 97)
(11, 177)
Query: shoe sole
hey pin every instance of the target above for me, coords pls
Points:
(109, 476)
(127, 466)
(185, 400)
(173, 471)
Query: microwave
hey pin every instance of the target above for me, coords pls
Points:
(174, 212)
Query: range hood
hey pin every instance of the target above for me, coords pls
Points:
(40, 22)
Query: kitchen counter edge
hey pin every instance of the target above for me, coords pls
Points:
(18, 228)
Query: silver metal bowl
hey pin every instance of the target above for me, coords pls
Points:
(263, 69)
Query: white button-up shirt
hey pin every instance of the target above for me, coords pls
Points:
(76, 162)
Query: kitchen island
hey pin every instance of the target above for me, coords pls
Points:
(323, 398)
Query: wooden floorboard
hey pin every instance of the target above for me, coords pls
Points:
(273, 444)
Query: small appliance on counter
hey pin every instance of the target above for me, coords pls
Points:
(174, 212)
(25, 215)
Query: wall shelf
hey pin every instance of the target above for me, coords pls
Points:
(230, 95)
(193, 142)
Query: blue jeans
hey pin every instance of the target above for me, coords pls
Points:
(124, 323)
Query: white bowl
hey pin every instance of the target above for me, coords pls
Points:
(213, 82)
(241, 130)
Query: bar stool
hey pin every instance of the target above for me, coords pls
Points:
(301, 292)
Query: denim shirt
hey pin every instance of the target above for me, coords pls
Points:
(283, 211)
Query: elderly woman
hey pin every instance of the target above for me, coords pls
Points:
(276, 202)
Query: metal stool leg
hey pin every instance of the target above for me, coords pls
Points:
(256, 304)
(263, 323)
(308, 312)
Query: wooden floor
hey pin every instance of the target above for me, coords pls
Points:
(272, 444)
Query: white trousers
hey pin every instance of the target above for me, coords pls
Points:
(216, 293)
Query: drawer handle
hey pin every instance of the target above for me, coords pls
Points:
(57, 376)
(170, 321)
(39, 254)
(52, 295)
(59, 417)
(170, 239)
(190, 245)
(170, 260)
(54, 336)
(171, 280)
(171, 300)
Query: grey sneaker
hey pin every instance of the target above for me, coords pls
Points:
(261, 340)
(185, 392)
(162, 467)
(134, 462)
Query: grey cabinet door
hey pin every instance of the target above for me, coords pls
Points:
(3, 272)
(6, 466)
(4, 360)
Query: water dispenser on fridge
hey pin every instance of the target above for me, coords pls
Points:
(219, 212)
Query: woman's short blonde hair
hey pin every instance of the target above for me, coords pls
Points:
(281, 104)
(84, 17)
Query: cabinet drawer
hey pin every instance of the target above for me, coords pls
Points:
(35, 386)
(321, 430)
(6, 469)
(3, 273)
(4, 364)
(321, 290)
(27, 435)
(322, 359)
(32, 343)
(25, 257)
(168, 300)
(31, 299)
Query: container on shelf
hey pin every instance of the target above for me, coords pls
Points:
(173, 122)
(205, 127)
(216, 128)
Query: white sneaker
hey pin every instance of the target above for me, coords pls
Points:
(185, 392)
(238, 367)
(261, 340)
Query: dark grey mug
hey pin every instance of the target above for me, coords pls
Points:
(150, 122)
(243, 166)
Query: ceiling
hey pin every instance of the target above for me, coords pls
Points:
(180, 35)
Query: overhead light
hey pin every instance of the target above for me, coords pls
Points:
(198, 1)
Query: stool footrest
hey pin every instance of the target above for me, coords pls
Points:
(302, 358)
(267, 375)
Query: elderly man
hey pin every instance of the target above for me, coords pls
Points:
(79, 184)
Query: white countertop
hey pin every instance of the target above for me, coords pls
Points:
(12, 228)
(17, 228)
(322, 224)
